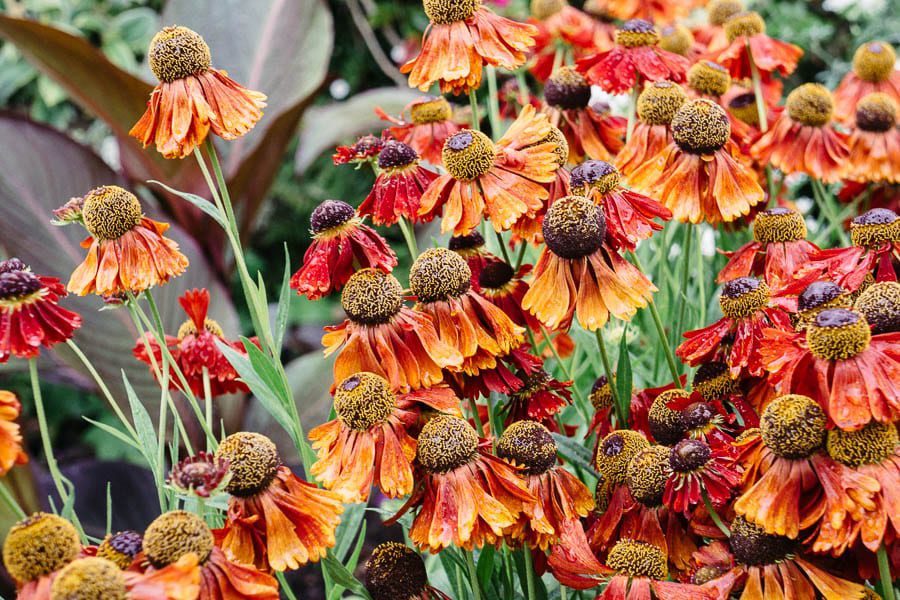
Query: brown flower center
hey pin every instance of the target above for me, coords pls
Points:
(876, 113)
(647, 474)
(751, 545)
(875, 227)
(601, 394)
(701, 127)
(574, 227)
(567, 89)
(443, 12)
(874, 61)
(176, 53)
(713, 381)
(395, 571)
(121, 548)
(188, 328)
(110, 212)
(743, 106)
(468, 154)
(439, 274)
(638, 559)
(470, 242)
(329, 216)
(446, 443)
(838, 334)
(596, 175)
(819, 296)
(689, 455)
(744, 24)
(38, 545)
(665, 423)
(810, 104)
(396, 155)
(16, 285)
(659, 102)
(175, 534)
(636, 33)
(430, 110)
(793, 426)
(742, 297)
(779, 225)
(372, 297)
(880, 305)
(616, 451)
(89, 578)
(529, 444)
(253, 461)
(710, 78)
(364, 400)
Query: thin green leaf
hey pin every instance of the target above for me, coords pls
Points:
(202, 203)
(576, 452)
(485, 568)
(624, 374)
(263, 365)
(346, 532)
(337, 591)
(343, 577)
(284, 301)
(143, 424)
(125, 439)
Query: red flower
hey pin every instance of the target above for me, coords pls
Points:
(430, 123)
(364, 149)
(341, 245)
(200, 475)
(746, 32)
(566, 25)
(30, 316)
(471, 247)
(398, 187)
(635, 57)
(539, 399)
(699, 469)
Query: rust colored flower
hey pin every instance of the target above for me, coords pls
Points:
(578, 272)
(195, 349)
(697, 176)
(192, 98)
(539, 399)
(873, 71)
(501, 181)
(657, 11)
(200, 475)
(179, 535)
(779, 249)
(636, 57)
(127, 252)
(656, 107)
(30, 314)
(746, 34)
(275, 521)
(466, 496)
(712, 33)
(802, 139)
(365, 149)
(789, 484)
(371, 440)
(93, 577)
(464, 36)
(558, 23)
(641, 571)
(396, 571)
(736, 338)
(11, 452)
(341, 245)
(629, 215)
(589, 129)
(698, 468)
(430, 123)
(35, 549)
(874, 143)
(853, 374)
(504, 287)
(478, 329)
(398, 187)
(471, 247)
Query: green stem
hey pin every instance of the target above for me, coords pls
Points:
(567, 372)
(473, 102)
(715, 515)
(660, 330)
(884, 573)
(410, 236)
(685, 277)
(10, 501)
(823, 200)
(757, 91)
(493, 102)
(473, 575)
(621, 413)
(284, 587)
(558, 58)
(211, 444)
(632, 110)
(503, 250)
(521, 256)
(529, 573)
(103, 388)
(523, 86)
(479, 426)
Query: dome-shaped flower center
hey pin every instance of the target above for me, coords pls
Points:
(793, 426)
(200, 474)
(638, 559)
(700, 126)
(659, 102)
(529, 444)
(544, 9)
(329, 216)
(253, 461)
(636, 33)
(90, 578)
(372, 297)
(821, 295)
(439, 274)
(601, 394)
(710, 78)
(494, 276)
(779, 225)
(713, 381)
(110, 212)
(446, 443)
(430, 110)
(647, 474)
(744, 24)
(742, 297)
(874, 62)
(719, 11)
(876, 112)
(616, 451)
(676, 39)
(810, 104)
(16, 285)
(689, 455)
(838, 334)
(743, 106)
(12, 264)
(871, 445)
(567, 89)
(121, 548)
(560, 146)
(396, 155)
(468, 154)
(443, 12)
(395, 571)
(875, 227)
(596, 175)
(574, 227)
(880, 305)
(465, 244)
(175, 534)
(751, 545)
(602, 494)
(176, 53)
(697, 417)
(364, 400)
(188, 328)
(665, 423)
(38, 545)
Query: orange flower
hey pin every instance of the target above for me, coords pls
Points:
(656, 107)
(178, 534)
(802, 139)
(873, 72)
(502, 181)
(712, 34)
(559, 23)
(746, 34)
(127, 252)
(275, 521)
(466, 496)
(789, 484)
(697, 176)
(11, 452)
(395, 571)
(384, 337)
(35, 549)
(192, 98)
(371, 438)
(641, 573)
(874, 143)
(478, 329)
(461, 38)
(578, 272)
(589, 130)
(95, 577)
(659, 11)
(430, 124)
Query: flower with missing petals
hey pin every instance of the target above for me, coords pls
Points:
(200, 475)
